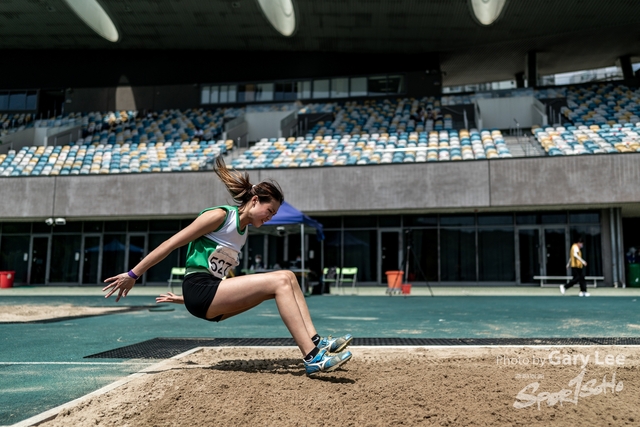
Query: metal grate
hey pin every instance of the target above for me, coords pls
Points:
(163, 348)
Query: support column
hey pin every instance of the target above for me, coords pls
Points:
(624, 62)
(531, 69)
(520, 79)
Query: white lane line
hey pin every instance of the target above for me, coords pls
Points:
(76, 363)
(51, 413)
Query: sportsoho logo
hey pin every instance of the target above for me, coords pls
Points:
(578, 387)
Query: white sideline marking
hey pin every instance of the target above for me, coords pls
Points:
(74, 363)
(350, 318)
(51, 413)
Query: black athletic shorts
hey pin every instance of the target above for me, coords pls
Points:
(198, 290)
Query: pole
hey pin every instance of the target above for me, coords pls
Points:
(302, 257)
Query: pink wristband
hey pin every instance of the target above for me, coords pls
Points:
(133, 275)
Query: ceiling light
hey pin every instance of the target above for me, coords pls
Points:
(281, 14)
(95, 17)
(487, 11)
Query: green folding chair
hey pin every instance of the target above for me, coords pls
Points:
(329, 276)
(349, 275)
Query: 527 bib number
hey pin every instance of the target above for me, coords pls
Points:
(221, 260)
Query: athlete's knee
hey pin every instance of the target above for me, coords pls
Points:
(282, 280)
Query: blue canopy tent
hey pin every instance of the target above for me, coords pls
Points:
(290, 220)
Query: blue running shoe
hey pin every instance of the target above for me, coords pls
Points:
(325, 363)
(335, 345)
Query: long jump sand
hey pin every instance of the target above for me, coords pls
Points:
(453, 386)
(32, 312)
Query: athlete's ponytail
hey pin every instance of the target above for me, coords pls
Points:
(242, 190)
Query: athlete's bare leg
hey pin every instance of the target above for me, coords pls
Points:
(242, 293)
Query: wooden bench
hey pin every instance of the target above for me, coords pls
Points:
(542, 279)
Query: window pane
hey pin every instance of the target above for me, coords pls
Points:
(32, 100)
(457, 220)
(113, 255)
(396, 84)
(592, 249)
(303, 89)
(495, 219)
(265, 92)
(524, 219)
(93, 226)
(423, 256)
(584, 218)
(496, 254)
(18, 101)
(339, 88)
(377, 85)
(4, 101)
(205, 95)
(389, 220)
(215, 92)
(231, 93)
(138, 225)
(13, 251)
(69, 227)
(421, 220)
(115, 226)
(554, 218)
(457, 255)
(16, 227)
(247, 93)
(330, 221)
(224, 94)
(361, 252)
(332, 246)
(320, 89)
(90, 261)
(164, 225)
(65, 259)
(279, 89)
(360, 221)
(40, 227)
(161, 271)
(358, 86)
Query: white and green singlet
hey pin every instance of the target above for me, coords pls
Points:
(218, 251)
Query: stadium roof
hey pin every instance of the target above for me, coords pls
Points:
(567, 34)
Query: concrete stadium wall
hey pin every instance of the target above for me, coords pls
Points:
(496, 185)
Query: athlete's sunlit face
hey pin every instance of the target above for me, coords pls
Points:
(262, 212)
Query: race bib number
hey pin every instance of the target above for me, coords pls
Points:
(221, 260)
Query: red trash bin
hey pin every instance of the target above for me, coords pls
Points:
(6, 279)
(394, 280)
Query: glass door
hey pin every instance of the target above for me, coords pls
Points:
(529, 251)
(91, 260)
(39, 260)
(555, 251)
(389, 252)
(542, 251)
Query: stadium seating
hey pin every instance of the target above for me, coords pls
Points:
(11, 123)
(377, 148)
(84, 158)
(602, 104)
(593, 139)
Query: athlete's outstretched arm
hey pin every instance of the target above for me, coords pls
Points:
(203, 224)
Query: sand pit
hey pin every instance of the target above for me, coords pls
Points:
(460, 386)
(32, 313)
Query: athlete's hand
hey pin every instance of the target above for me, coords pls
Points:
(170, 297)
(121, 283)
